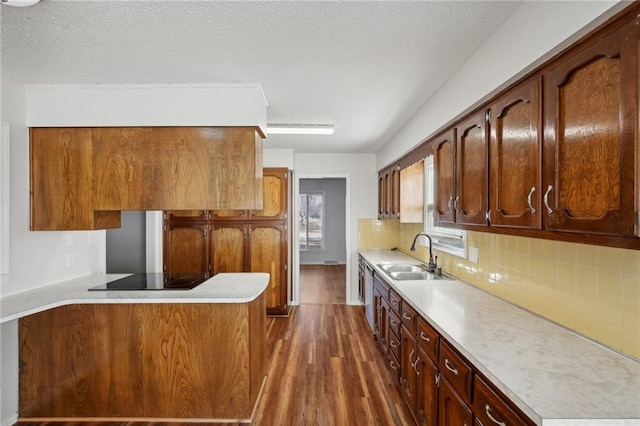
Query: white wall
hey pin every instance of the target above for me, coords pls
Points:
(362, 192)
(533, 33)
(36, 258)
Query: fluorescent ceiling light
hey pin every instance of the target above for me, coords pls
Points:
(299, 129)
(20, 3)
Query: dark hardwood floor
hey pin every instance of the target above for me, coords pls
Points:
(323, 284)
(325, 369)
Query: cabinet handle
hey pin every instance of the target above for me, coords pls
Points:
(424, 337)
(393, 323)
(546, 200)
(393, 344)
(487, 410)
(450, 366)
(393, 365)
(394, 302)
(533, 210)
(405, 316)
(455, 205)
(415, 365)
(411, 356)
(449, 202)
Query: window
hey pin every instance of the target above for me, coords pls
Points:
(449, 240)
(312, 221)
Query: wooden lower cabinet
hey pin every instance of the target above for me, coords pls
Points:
(182, 237)
(438, 384)
(452, 409)
(426, 389)
(146, 362)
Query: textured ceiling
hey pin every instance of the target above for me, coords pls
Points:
(365, 67)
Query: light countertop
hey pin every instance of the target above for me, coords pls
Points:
(552, 374)
(222, 288)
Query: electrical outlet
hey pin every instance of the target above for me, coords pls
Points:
(473, 254)
(70, 260)
(69, 239)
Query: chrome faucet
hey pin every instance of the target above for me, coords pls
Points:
(432, 263)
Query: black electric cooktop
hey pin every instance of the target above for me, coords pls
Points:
(155, 281)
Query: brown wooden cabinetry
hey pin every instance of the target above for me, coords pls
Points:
(408, 372)
(516, 150)
(470, 202)
(389, 193)
(444, 164)
(591, 128)
(82, 177)
(452, 409)
(489, 408)
(238, 240)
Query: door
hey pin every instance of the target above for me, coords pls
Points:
(409, 355)
(426, 389)
(515, 149)
(267, 252)
(471, 171)
(444, 165)
(452, 410)
(228, 247)
(590, 103)
(186, 247)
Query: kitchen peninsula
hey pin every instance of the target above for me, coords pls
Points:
(161, 356)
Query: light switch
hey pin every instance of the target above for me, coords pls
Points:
(473, 254)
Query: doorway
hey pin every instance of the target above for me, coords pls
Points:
(321, 240)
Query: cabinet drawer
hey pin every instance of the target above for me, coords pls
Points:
(409, 316)
(428, 339)
(456, 370)
(382, 287)
(394, 323)
(394, 345)
(491, 409)
(394, 301)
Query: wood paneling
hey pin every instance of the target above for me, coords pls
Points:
(268, 253)
(186, 237)
(198, 361)
(228, 248)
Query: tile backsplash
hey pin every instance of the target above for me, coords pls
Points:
(593, 290)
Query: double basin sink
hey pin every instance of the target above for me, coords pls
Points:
(408, 271)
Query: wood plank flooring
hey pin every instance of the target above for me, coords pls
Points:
(326, 369)
(323, 284)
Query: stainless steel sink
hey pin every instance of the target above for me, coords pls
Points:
(406, 272)
(403, 268)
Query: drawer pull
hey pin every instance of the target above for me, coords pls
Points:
(393, 323)
(450, 366)
(394, 302)
(424, 337)
(393, 365)
(405, 316)
(393, 344)
(487, 410)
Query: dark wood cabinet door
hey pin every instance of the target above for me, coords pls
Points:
(377, 299)
(382, 192)
(409, 355)
(186, 247)
(187, 215)
(515, 149)
(394, 196)
(426, 390)
(591, 121)
(452, 410)
(470, 202)
(383, 326)
(444, 166)
(268, 253)
(275, 184)
(228, 247)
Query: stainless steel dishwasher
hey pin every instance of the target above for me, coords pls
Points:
(368, 295)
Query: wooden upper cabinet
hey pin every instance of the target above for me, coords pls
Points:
(82, 177)
(61, 172)
(395, 191)
(186, 237)
(591, 125)
(389, 193)
(515, 149)
(444, 166)
(186, 215)
(470, 201)
(275, 183)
